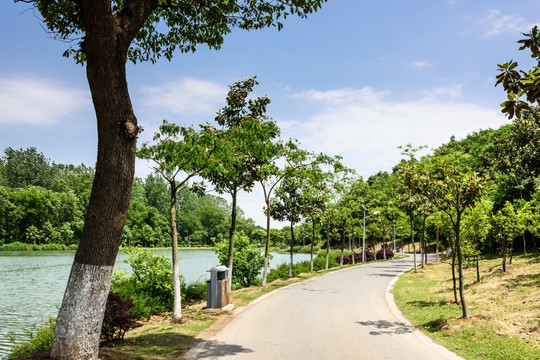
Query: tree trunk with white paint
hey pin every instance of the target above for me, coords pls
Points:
(80, 317)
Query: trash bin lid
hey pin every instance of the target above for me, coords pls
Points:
(221, 268)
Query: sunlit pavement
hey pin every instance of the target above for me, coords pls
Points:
(341, 315)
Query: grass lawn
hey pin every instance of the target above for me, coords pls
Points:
(504, 308)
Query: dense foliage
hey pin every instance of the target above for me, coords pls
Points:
(42, 207)
(248, 260)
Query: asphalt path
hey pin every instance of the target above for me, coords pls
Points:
(347, 314)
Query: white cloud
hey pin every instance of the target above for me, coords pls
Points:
(365, 95)
(420, 64)
(444, 92)
(499, 24)
(367, 133)
(38, 101)
(185, 95)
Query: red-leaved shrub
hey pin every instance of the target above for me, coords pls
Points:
(347, 259)
(119, 316)
(389, 254)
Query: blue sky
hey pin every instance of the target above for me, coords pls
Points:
(358, 79)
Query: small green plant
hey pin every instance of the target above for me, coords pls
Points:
(150, 284)
(40, 341)
(195, 291)
(248, 261)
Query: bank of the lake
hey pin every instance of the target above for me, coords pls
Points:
(32, 284)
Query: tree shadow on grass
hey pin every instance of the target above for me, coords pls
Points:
(435, 325)
(167, 345)
(385, 327)
(425, 304)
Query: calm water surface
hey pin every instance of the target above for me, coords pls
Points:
(32, 285)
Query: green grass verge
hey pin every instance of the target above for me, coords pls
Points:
(504, 308)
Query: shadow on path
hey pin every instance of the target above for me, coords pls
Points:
(216, 349)
(384, 327)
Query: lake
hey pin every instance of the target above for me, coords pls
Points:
(32, 284)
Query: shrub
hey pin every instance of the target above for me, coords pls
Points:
(119, 316)
(195, 291)
(16, 246)
(347, 259)
(41, 341)
(389, 254)
(319, 263)
(282, 271)
(305, 249)
(150, 285)
(53, 247)
(248, 260)
(369, 256)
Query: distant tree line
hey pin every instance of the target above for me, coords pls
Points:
(42, 202)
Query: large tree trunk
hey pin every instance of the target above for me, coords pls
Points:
(266, 247)
(80, 317)
(177, 308)
(231, 236)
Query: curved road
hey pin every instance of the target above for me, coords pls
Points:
(341, 315)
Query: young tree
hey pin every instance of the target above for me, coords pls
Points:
(106, 35)
(316, 188)
(249, 146)
(476, 226)
(181, 152)
(452, 193)
(290, 205)
(508, 227)
(409, 199)
(272, 175)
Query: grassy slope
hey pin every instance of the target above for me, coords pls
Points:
(504, 308)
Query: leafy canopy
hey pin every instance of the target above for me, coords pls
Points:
(171, 25)
(519, 84)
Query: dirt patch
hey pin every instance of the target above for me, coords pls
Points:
(219, 325)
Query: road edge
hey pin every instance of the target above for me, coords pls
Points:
(413, 329)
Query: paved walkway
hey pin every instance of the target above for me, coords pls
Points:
(341, 315)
